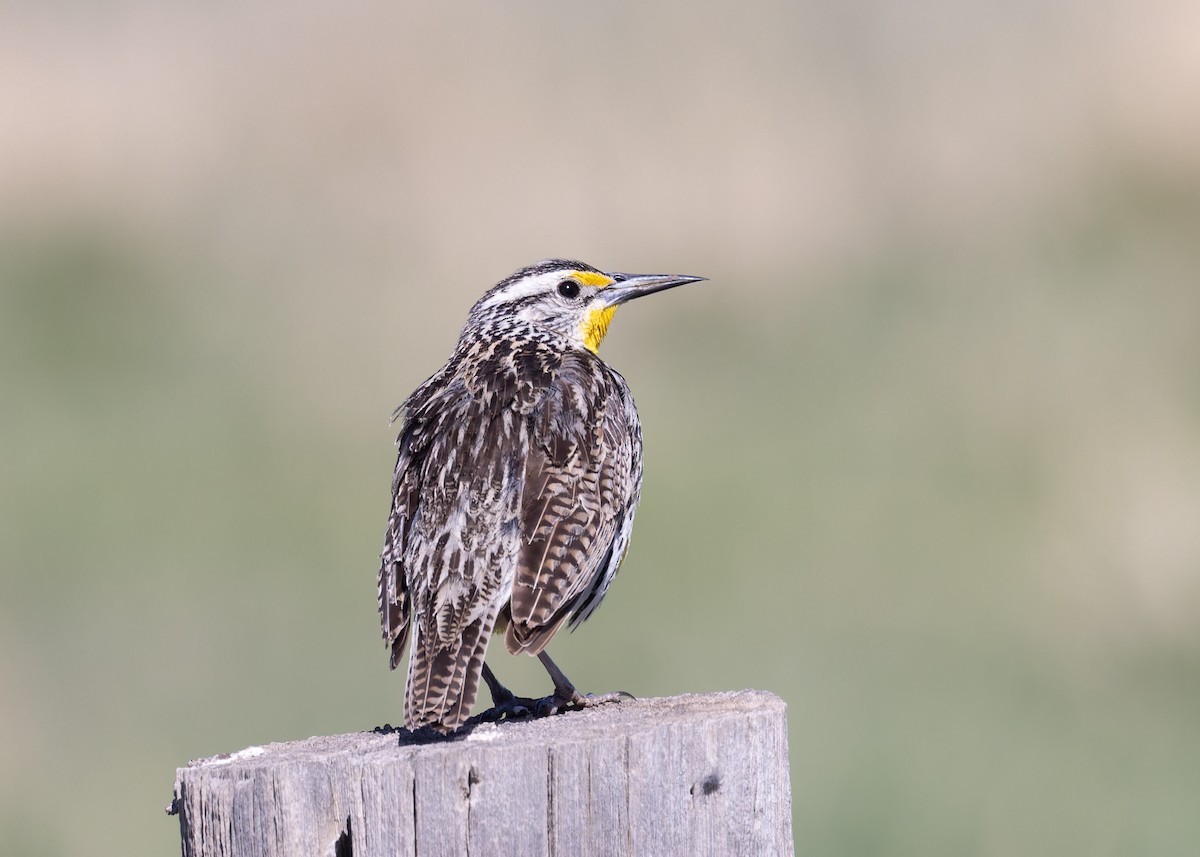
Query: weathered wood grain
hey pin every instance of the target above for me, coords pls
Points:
(686, 775)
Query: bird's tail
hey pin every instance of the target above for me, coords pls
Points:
(443, 679)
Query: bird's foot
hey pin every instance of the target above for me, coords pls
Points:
(509, 707)
(525, 708)
(569, 699)
(579, 700)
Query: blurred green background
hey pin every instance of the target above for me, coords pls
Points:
(923, 457)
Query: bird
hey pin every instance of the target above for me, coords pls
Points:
(518, 475)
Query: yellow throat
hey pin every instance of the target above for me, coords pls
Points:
(594, 326)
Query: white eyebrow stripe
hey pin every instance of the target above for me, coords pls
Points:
(526, 288)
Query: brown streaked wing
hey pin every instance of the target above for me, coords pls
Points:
(577, 488)
(620, 488)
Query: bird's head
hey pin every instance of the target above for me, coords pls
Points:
(569, 298)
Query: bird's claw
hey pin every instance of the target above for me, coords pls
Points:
(524, 708)
(509, 708)
(578, 701)
(591, 700)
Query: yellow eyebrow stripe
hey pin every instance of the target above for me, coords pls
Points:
(591, 278)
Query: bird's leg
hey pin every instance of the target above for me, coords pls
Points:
(566, 696)
(564, 691)
(505, 704)
(508, 706)
(500, 693)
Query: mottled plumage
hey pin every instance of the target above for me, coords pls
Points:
(516, 483)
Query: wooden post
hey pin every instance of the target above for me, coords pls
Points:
(685, 775)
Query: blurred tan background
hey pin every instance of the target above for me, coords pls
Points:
(923, 457)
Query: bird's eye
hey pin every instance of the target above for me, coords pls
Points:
(568, 289)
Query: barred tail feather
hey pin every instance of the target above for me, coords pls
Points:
(443, 681)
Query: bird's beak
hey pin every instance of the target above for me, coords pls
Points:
(629, 286)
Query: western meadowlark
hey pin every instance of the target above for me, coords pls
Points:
(517, 479)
